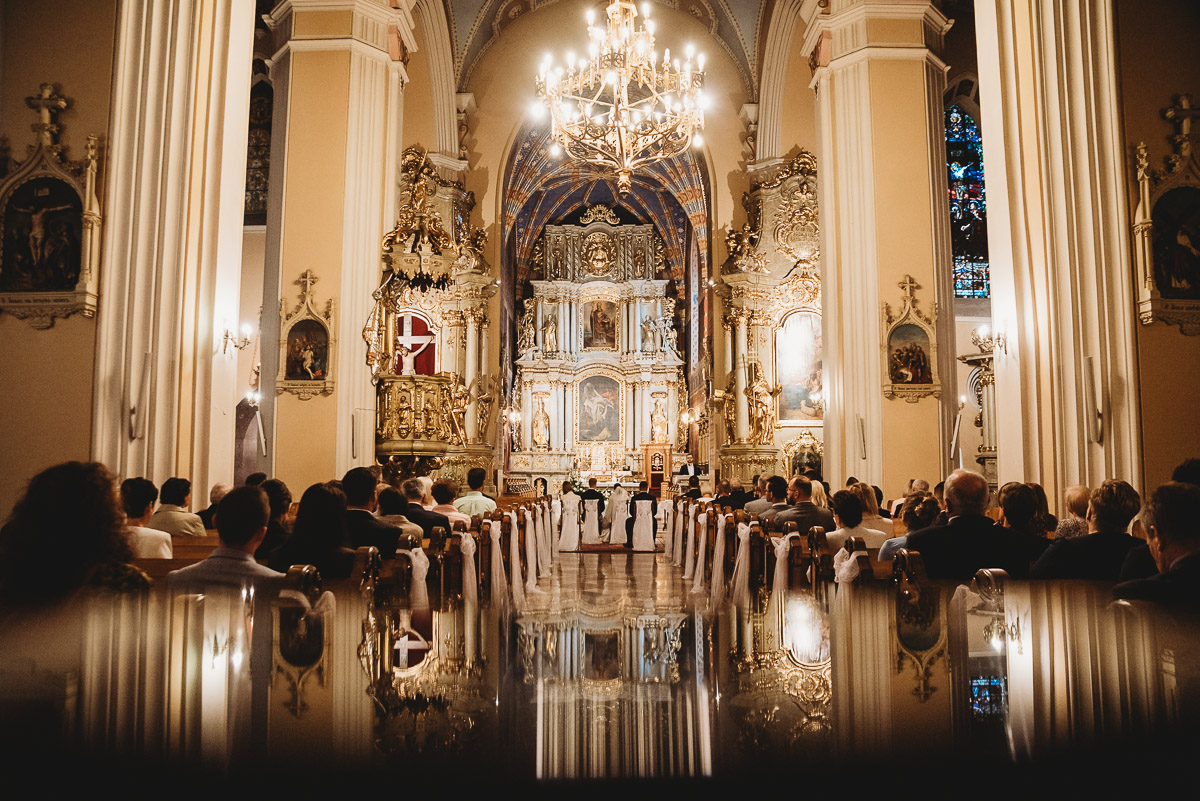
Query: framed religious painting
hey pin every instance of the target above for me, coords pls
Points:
(599, 409)
(49, 226)
(599, 323)
(306, 345)
(799, 360)
(909, 348)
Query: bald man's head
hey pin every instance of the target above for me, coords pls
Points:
(966, 493)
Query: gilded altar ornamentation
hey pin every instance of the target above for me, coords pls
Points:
(743, 253)
(307, 344)
(460, 398)
(658, 418)
(540, 428)
(910, 348)
(550, 334)
(49, 224)
(486, 394)
(599, 253)
(527, 328)
(601, 213)
(1166, 227)
(471, 244)
(761, 397)
(416, 408)
(794, 223)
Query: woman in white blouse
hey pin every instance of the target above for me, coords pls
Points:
(848, 514)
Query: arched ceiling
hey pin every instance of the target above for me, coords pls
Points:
(541, 190)
(737, 26)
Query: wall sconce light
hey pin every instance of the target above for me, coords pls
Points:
(238, 343)
(990, 341)
(686, 417)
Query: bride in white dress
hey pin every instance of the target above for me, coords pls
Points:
(569, 538)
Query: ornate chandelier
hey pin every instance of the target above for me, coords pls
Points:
(622, 107)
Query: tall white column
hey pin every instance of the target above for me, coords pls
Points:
(472, 318)
(740, 365)
(1058, 242)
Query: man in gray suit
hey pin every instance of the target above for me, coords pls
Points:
(803, 512)
(241, 517)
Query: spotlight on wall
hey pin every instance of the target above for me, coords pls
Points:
(237, 342)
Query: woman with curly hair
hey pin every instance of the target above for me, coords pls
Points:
(67, 532)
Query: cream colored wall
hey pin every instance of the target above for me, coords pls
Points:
(1157, 62)
(418, 98)
(903, 226)
(313, 205)
(503, 85)
(48, 412)
(798, 121)
(254, 243)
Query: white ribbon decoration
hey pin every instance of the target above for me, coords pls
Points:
(542, 540)
(718, 571)
(531, 571)
(677, 541)
(470, 597)
(668, 516)
(551, 542)
(689, 558)
(701, 551)
(514, 562)
(845, 568)
(419, 594)
(779, 587)
(499, 581)
(739, 582)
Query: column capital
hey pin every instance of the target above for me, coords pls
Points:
(381, 29)
(846, 31)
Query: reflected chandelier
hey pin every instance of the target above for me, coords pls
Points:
(622, 107)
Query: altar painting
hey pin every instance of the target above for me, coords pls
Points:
(307, 352)
(1177, 243)
(600, 325)
(42, 224)
(908, 355)
(799, 355)
(599, 409)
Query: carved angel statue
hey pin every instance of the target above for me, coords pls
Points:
(666, 328)
(729, 403)
(540, 432)
(648, 343)
(658, 422)
(527, 328)
(741, 242)
(460, 398)
(550, 334)
(470, 250)
(762, 419)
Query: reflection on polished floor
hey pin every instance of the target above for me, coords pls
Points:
(611, 666)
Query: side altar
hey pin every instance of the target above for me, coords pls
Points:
(598, 371)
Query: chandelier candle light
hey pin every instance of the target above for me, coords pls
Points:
(622, 107)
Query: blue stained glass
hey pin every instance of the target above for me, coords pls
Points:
(968, 205)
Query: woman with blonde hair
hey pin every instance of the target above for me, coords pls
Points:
(819, 498)
(871, 517)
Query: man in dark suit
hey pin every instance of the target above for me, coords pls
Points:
(362, 526)
(641, 495)
(738, 496)
(724, 496)
(413, 492)
(1174, 539)
(1099, 554)
(688, 468)
(593, 494)
(803, 512)
(970, 540)
(693, 490)
(777, 492)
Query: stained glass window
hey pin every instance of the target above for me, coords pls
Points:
(968, 206)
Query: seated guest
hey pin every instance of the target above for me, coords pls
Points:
(443, 493)
(970, 540)
(279, 497)
(1140, 562)
(722, 499)
(70, 518)
(1019, 514)
(914, 485)
(427, 501)
(319, 535)
(414, 491)
(738, 497)
(1044, 522)
(762, 503)
(242, 517)
(390, 508)
(1098, 555)
(1174, 539)
(870, 504)
(847, 516)
(254, 479)
(820, 498)
(214, 497)
(593, 494)
(693, 490)
(1074, 522)
(474, 502)
(643, 494)
(172, 515)
(138, 496)
(803, 512)
(880, 507)
(362, 526)
(919, 511)
(777, 492)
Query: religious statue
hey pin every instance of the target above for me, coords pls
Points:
(483, 400)
(434, 424)
(658, 422)
(741, 243)
(470, 250)
(666, 329)
(460, 398)
(527, 328)
(550, 334)
(406, 357)
(762, 420)
(648, 344)
(541, 427)
(730, 408)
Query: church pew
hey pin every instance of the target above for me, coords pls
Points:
(157, 569)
